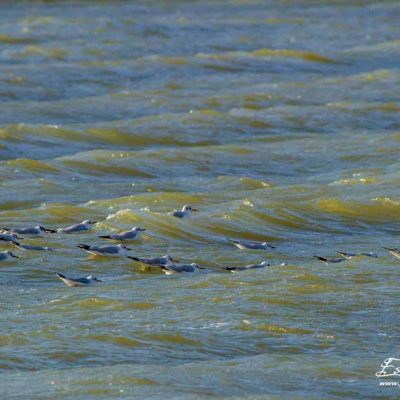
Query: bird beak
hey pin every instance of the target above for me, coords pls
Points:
(128, 248)
(142, 229)
(201, 267)
(13, 255)
(193, 209)
(98, 280)
(50, 230)
(177, 261)
(94, 222)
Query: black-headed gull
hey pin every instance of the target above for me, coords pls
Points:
(31, 230)
(6, 255)
(330, 260)
(393, 251)
(246, 267)
(81, 227)
(89, 280)
(134, 233)
(245, 244)
(155, 261)
(110, 250)
(184, 213)
(180, 268)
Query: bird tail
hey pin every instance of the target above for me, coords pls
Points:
(134, 258)
(320, 258)
(83, 246)
(105, 236)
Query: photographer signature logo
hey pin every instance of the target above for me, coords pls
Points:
(390, 369)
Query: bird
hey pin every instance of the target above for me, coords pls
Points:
(9, 237)
(244, 244)
(180, 268)
(155, 261)
(348, 256)
(81, 227)
(5, 255)
(262, 264)
(32, 247)
(134, 233)
(330, 260)
(89, 280)
(184, 213)
(394, 251)
(32, 230)
(110, 250)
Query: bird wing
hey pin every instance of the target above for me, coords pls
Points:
(106, 249)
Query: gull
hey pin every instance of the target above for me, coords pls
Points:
(32, 247)
(134, 233)
(111, 250)
(330, 260)
(5, 255)
(179, 268)
(89, 280)
(185, 213)
(244, 244)
(32, 230)
(348, 256)
(81, 227)
(394, 252)
(156, 261)
(9, 237)
(250, 266)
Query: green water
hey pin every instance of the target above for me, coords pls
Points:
(279, 121)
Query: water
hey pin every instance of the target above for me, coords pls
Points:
(279, 121)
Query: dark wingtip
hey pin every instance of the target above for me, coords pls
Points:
(104, 236)
(133, 258)
(60, 275)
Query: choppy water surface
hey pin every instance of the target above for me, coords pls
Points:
(278, 120)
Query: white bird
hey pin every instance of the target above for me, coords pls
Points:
(330, 260)
(6, 255)
(180, 268)
(394, 252)
(244, 244)
(110, 250)
(155, 261)
(134, 233)
(185, 213)
(348, 256)
(32, 247)
(32, 230)
(9, 237)
(81, 227)
(89, 280)
(246, 267)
